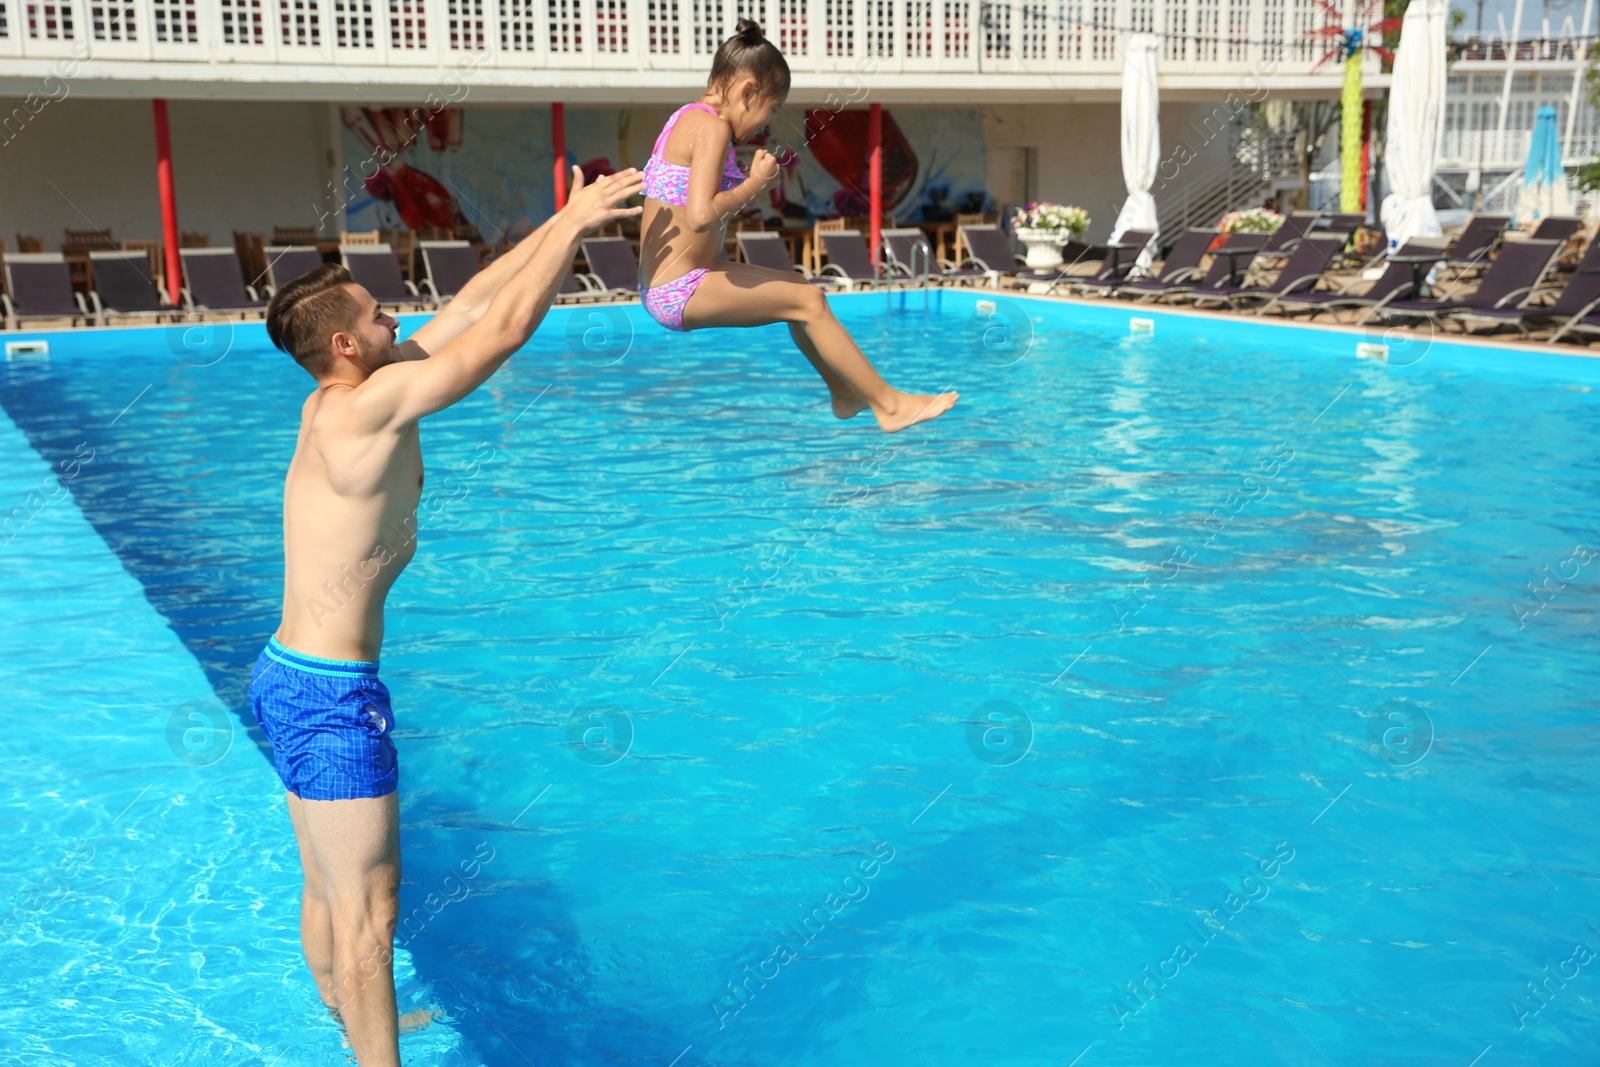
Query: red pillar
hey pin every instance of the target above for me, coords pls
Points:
(169, 203)
(558, 137)
(1366, 148)
(875, 179)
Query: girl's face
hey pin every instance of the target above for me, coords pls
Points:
(748, 110)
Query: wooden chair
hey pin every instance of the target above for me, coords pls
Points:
(26, 245)
(251, 248)
(293, 235)
(436, 233)
(76, 246)
(975, 219)
(194, 240)
(363, 237)
(87, 241)
(821, 227)
(151, 249)
(404, 244)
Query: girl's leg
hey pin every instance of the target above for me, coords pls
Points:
(847, 403)
(737, 294)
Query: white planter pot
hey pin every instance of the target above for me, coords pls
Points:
(1044, 247)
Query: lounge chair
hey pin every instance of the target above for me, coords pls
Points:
(576, 287)
(1181, 265)
(1114, 270)
(123, 287)
(1555, 228)
(1508, 283)
(848, 259)
(1393, 284)
(989, 249)
(1288, 236)
(906, 246)
(450, 265)
(1305, 267)
(375, 268)
(763, 249)
(1478, 239)
(1579, 300)
(286, 263)
(613, 268)
(215, 283)
(39, 286)
(1222, 265)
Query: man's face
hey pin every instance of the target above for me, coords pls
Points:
(374, 332)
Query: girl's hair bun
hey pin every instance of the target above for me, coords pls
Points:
(749, 52)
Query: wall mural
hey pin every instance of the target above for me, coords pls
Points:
(493, 167)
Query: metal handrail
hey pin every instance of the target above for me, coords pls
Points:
(922, 249)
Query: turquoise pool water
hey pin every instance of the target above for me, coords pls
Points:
(1253, 613)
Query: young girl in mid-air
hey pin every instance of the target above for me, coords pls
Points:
(693, 186)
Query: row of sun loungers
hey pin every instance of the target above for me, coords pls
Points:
(39, 284)
(1299, 258)
(1512, 287)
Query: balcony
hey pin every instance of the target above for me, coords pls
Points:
(927, 51)
(1532, 50)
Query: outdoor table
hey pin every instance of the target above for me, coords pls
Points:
(1233, 255)
(1116, 248)
(1417, 261)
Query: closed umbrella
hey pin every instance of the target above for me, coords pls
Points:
(1141, 139)
(1416, 123)
(1544, 183)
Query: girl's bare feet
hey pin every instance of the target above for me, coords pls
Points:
(911, 408)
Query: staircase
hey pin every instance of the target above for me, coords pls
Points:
(1257, 161)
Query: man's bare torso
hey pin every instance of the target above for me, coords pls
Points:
(349, 528)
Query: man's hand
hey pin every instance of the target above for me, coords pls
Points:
(590, 207)
(764, 168)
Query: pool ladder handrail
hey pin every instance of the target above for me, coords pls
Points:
(919, 249)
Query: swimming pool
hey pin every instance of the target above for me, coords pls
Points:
(1290, 764)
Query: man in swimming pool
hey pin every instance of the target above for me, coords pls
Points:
(349, 529)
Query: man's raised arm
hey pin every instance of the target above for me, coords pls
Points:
(530, 275)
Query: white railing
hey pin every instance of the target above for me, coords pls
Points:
(1048, 38)
(1499, 149)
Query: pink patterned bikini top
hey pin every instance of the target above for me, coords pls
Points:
(668, 182)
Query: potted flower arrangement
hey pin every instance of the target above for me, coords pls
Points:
(1251, 220)
(1045, 228)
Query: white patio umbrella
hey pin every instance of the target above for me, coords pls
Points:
(1416, 123)
(1141, 139)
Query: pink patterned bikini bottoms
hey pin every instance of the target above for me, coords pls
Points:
(665, 302)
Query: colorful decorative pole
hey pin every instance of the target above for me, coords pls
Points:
(875, 177)
(1347, 44)
(169, 203)
(558, 136)
(1352, 160)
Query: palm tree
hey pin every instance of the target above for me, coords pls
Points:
(1346, 43)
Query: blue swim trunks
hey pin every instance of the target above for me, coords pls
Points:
(328, 721)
